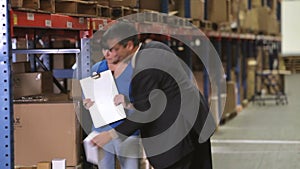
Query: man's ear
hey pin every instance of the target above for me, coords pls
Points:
(130, 45)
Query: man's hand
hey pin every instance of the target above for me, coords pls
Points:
(120, 99)
(87, 103)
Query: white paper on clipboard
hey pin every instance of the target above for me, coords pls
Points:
(102, 91)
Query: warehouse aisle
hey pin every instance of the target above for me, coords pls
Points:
(262, 137)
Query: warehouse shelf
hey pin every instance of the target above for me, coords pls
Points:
(61, 23)
(44, 20)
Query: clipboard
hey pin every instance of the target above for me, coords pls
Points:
(101, 88)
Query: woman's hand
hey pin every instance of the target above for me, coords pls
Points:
(87, 103)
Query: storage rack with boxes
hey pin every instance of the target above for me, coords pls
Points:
(226, 25)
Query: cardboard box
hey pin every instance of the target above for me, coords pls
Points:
(44, 165)
(273, 26)
(32, 4)
(231, 99)
(154, 5)
(251, 69)
(243, 4)
(26, 84)
(256, 19)
(73, 85)
(103, 2)
(118, 3)
(20, 67)
(43, 132)
(20, 43)
(219, 10)
(256, 3)
(58, 61)
(197, 9)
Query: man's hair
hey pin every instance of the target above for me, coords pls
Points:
(123, 32)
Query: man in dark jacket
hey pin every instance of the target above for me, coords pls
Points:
(171, 113)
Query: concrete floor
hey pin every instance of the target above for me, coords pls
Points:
(262, 137)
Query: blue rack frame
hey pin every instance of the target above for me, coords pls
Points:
(6, 109)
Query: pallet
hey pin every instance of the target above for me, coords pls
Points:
(118, 12)
(205, 25)
(34, 5)
(104, 11)
(103, 2)
(85, 8)
(150, 16)
(224, 27)
(292, 63)
(30, 4)
(47, 5)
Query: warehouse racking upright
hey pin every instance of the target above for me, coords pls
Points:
(6, 117)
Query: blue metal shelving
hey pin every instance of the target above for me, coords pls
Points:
(6, 109)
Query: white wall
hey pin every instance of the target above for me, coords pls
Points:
(290, 27)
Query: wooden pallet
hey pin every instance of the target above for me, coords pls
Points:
(207, 25)
(77, 8)
(204, 24)
(150, 16)
(196, 22)
(118, 12)
(104, 11)
(292, 63)
(47, 6)
(224, 27)
(30, 4)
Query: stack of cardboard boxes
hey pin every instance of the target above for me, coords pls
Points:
(261, 18)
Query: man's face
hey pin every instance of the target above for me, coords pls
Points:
(110, 56)
(121, 51)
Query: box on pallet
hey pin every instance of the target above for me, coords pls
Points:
(256, 3)
(77, 7)
(31, 4)
(231, 99)
(196, 8)
(47, 5)
(25, 84)
(119, 3)
(20, 67)
(44, 165)
(43, 132)
(155, 5)
(256, 19)
(219, 10)
(103, 2)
